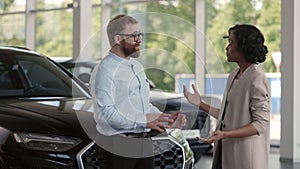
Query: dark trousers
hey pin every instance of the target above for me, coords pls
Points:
(217, 161)
(120, 152)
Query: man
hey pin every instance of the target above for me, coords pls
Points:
(123, 113)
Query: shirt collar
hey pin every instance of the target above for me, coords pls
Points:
(120, 59)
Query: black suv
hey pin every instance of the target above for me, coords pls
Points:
(47, 113)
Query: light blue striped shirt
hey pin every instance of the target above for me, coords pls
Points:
(120, 90)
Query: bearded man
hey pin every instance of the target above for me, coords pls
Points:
(123, 113)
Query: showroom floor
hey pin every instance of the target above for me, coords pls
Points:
(206, 161)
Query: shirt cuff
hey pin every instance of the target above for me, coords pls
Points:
(140, 122)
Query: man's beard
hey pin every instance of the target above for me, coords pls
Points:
(130, 50)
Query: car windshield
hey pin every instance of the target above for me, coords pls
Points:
(26, 75)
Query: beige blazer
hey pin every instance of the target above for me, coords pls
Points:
(246, 100)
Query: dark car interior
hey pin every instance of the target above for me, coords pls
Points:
(27, 77)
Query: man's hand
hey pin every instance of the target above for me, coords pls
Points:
(159, 121)
(179, 119)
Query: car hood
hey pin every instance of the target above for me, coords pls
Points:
(167, 101)
(43, 115)
(161, 95)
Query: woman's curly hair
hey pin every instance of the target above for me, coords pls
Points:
(250, 41)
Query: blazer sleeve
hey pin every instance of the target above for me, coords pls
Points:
(260, 103)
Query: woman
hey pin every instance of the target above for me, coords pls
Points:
(242, 134)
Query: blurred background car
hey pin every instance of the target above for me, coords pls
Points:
(199, 122)
(47, 113)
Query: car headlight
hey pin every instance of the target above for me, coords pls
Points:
(177, 134)
(43, 142)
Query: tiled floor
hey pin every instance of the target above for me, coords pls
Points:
(206, 161)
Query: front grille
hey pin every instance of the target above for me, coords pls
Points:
(168, 153)
(87, 157)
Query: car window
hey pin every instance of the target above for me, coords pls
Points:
(35, 76)
(81, 68)
(5, 78)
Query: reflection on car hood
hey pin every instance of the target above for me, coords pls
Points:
(160, 95)
(166, 101)
(54, 116)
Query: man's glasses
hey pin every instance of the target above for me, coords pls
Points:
(136, 36)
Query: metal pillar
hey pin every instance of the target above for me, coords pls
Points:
(200, 51)
(82, 28)
(290, 91)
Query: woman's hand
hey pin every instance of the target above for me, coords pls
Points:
(193, 98)
(217, 135)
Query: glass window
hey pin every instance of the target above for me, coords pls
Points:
(5, 78)
(12, 33)
(50, 4)
(96, 2)
(31, 75)
(44, 79)
(169, 38)
(129, 8)
(12, 5)
(54, 36)
(95, 40)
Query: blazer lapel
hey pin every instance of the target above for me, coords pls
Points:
(224, 100)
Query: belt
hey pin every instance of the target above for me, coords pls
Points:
(135, 135)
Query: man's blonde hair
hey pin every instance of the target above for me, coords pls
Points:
(117, 24)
